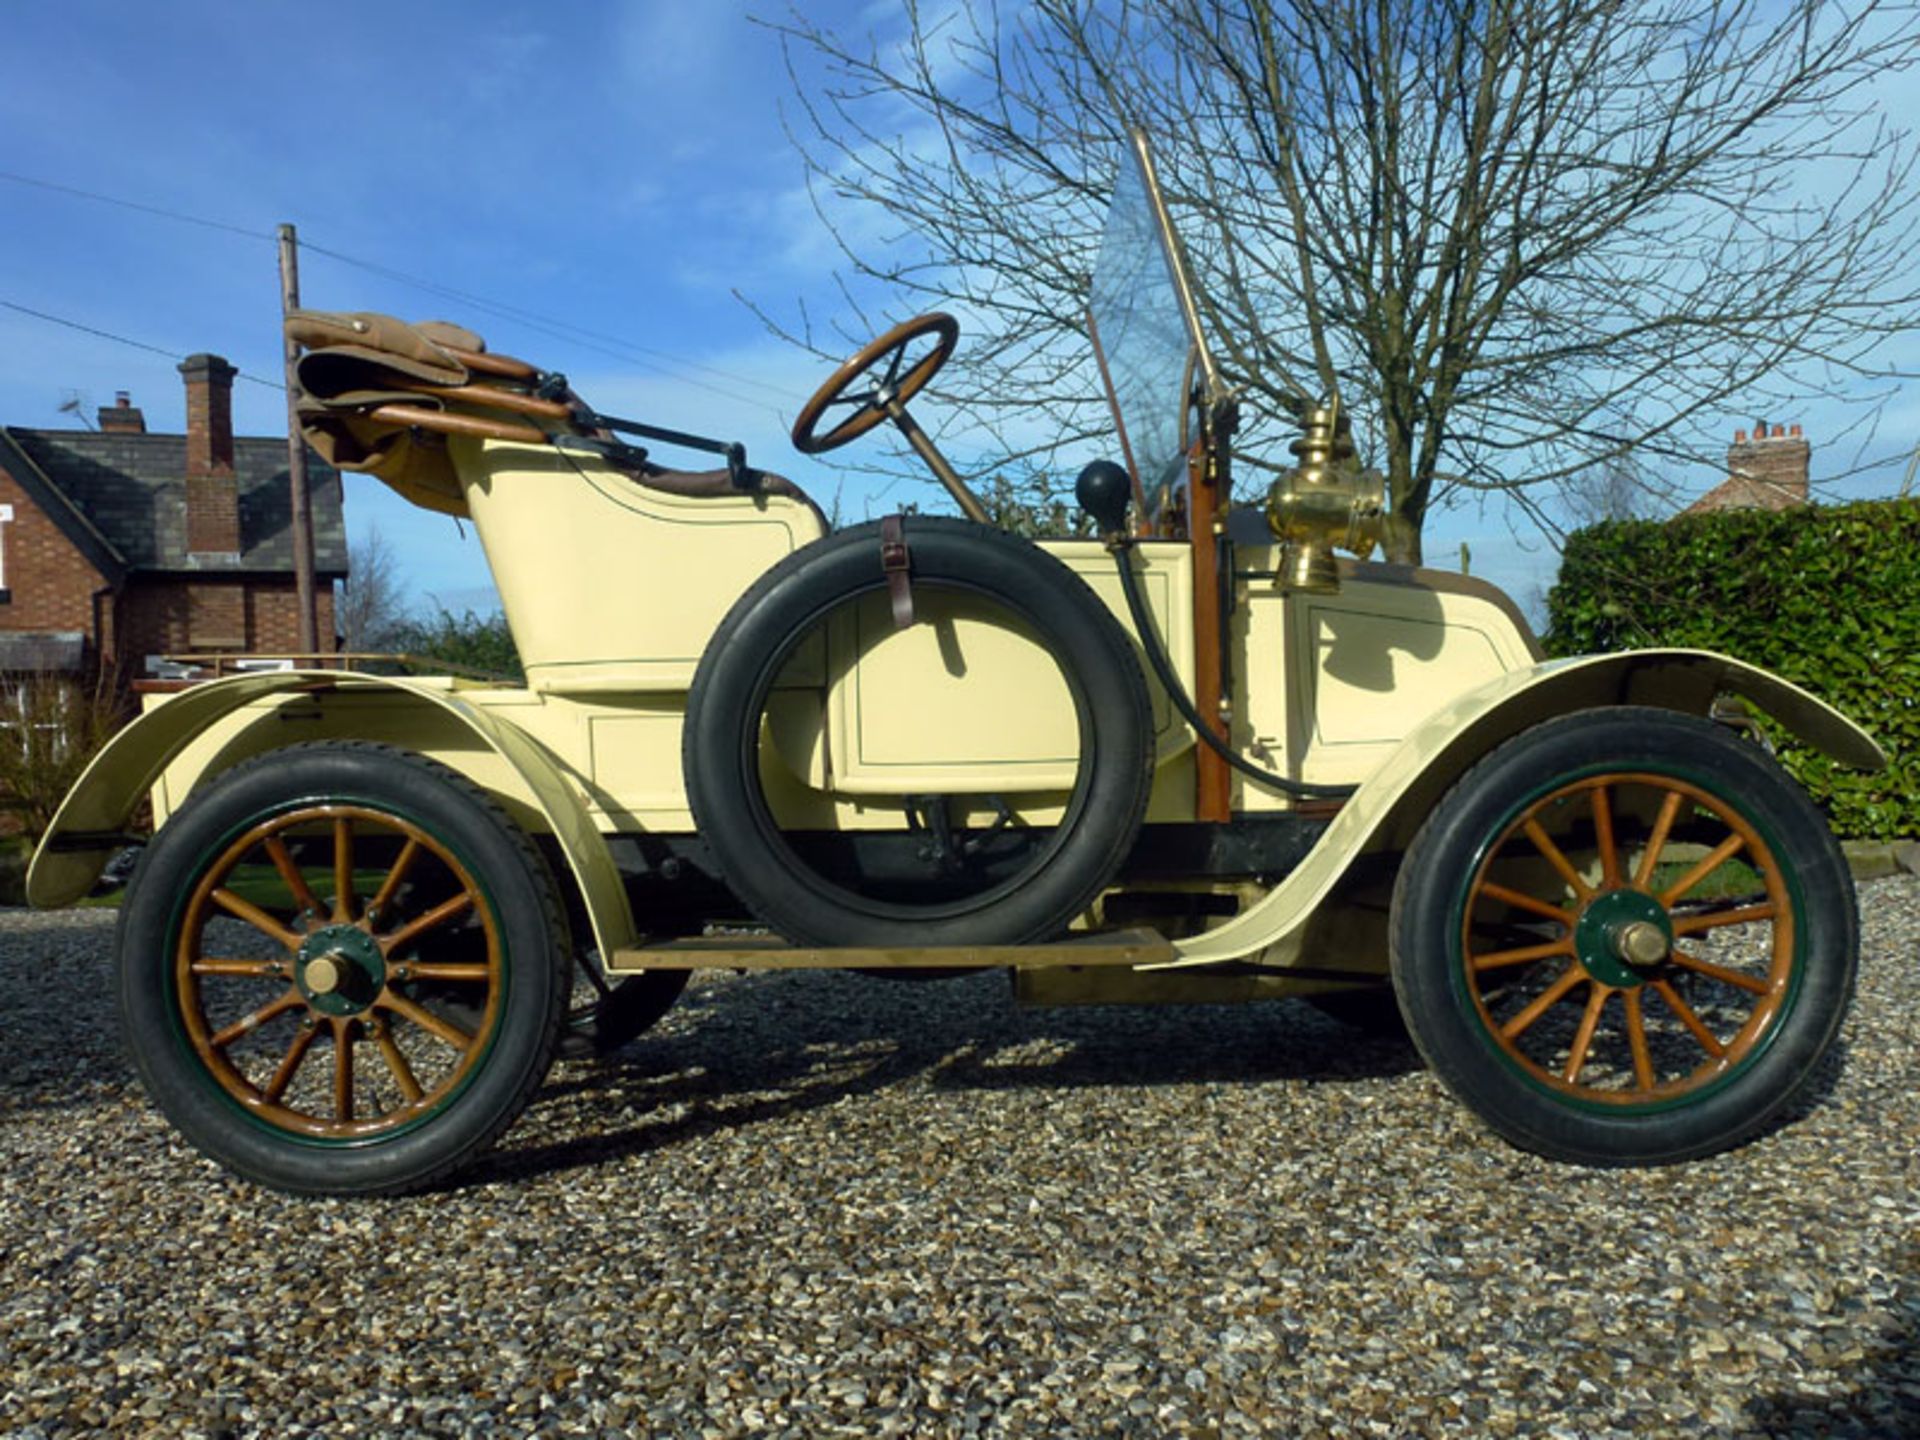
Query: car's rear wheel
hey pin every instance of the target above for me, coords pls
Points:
(1625, 937)
(341, 970)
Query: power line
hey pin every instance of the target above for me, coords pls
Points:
(124, 340)
(179, 215)
(597, 340)
(659, 361)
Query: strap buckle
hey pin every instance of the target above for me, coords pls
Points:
(897, 561)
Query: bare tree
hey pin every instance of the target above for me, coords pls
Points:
(371, 602)
(1520, 239)
(1614, 489)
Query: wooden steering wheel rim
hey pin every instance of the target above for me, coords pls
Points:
(864, 359)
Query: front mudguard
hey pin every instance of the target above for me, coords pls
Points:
(1387, 809)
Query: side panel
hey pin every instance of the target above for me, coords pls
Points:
(610, 585)
(965, 703)
(1329, 685)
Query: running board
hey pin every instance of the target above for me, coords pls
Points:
(770, 952)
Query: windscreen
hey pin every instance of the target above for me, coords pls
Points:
(1140, 330)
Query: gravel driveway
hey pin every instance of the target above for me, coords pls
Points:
(816, 1204)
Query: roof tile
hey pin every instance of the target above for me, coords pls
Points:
(133, 489)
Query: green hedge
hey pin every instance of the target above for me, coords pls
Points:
(1828, 596)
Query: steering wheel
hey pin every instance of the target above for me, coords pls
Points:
(856, 382)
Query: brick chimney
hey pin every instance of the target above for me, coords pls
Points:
(121, 418)
(1767, 471)
(213, 494)
(1773, 463)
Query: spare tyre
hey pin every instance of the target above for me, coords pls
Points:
(941, 869)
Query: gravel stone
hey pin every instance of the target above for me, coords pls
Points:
(818, 1204)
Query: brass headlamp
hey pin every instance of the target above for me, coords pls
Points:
(1325, 501)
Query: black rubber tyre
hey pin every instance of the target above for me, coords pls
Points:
(608, 1014)
(276, 993)
(1056, 872)
(1625, 937)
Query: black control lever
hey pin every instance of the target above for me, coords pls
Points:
(1104, 491)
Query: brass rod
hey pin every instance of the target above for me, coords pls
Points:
(457, 424)
(1176, 261)
(923, 446)
(1116, 948)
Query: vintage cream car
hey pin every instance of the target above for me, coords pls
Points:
(1196, 759)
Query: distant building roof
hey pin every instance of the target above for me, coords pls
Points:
(130, 491)
(1767, 472)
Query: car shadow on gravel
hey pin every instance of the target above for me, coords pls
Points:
(1882, 1398)
(59, 1048)
(763, 1048)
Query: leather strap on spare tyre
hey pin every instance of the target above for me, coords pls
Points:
(897, 561)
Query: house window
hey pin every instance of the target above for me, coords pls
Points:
(6, 519)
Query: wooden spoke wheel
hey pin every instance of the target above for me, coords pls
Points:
(340, 970)
(340, 980)
(1625, 937)
(1662, 962)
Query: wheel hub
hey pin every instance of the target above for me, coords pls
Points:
(1622, 936)
(339, 969)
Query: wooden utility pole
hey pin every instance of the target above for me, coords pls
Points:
(297, 455)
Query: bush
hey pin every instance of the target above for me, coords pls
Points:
(1827, 596)
(50, 727)
(467, 641)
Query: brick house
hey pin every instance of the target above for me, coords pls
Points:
(121, 545)
(1766, 472)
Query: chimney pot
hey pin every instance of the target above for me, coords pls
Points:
(1770, 476)
(1794, 431)
(121, 418)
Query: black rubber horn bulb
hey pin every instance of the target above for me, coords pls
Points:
(1103, 491)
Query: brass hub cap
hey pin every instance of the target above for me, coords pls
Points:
(1615, 929)
(338, 972)
(1628, 940)
(1641, 944)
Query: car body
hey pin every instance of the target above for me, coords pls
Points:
(1197, 758)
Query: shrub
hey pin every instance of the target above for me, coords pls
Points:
(50, 727)
(1826, 596)
(467, 641)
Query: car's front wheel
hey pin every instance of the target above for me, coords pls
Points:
(1625, 937)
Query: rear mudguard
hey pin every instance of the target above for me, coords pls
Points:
(1389, 806)
(88, 827)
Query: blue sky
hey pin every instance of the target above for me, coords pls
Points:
(618, 170)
